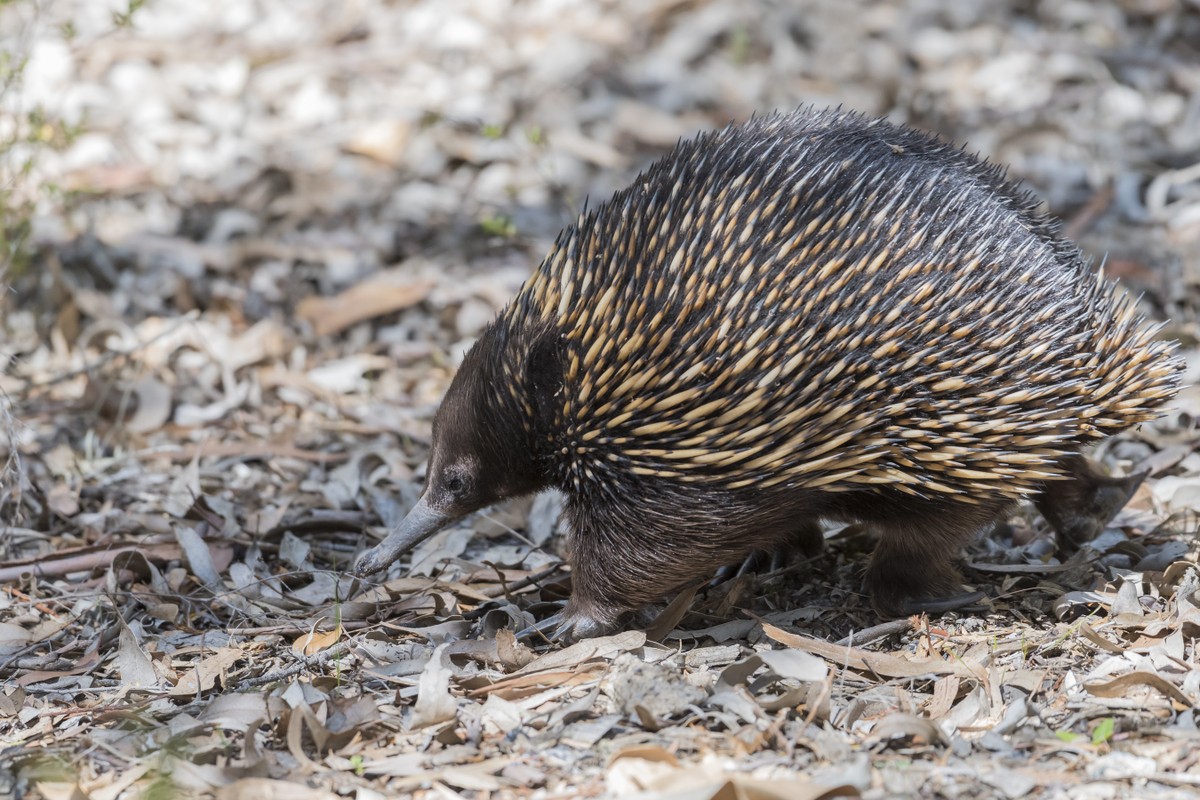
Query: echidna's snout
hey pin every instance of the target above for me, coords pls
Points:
(452, 491)
(419, 524)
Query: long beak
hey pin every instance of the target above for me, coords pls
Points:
(420, 523)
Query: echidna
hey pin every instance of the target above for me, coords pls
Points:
(811, 315)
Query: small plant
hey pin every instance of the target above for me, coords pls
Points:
(124, 19)
(160, 786)
(27, 130)
(27, 133)
(1101, 734)
(1104, 731)
(498, 225)
(20, 140)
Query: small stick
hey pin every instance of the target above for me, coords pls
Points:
(302, 663)
(877, 632)
(530, 580)
(1096, 205)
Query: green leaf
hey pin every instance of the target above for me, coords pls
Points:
(1067, 736)
(1104, 731)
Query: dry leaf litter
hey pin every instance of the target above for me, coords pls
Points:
(258, 262)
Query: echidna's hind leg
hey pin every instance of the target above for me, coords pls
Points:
(1079, 507)
(912, 569)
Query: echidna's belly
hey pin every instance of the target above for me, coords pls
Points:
(825, 301)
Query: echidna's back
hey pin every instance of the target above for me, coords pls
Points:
(821, 299)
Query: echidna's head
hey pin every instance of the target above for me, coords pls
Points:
(483, 433)
(487, 437)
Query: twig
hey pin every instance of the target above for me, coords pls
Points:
(877, 632)
(297, 627)
(302, 663)
(56, 567)
(1096, 205)
(530, 580)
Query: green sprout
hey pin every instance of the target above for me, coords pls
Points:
(499, 225)
(1104, 731)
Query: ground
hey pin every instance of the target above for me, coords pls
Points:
(264, 234)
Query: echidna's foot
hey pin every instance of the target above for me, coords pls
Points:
(807, 542)
(554, 627)
(755, 562)
(912, 568)
(570, 625)
(1079, 507)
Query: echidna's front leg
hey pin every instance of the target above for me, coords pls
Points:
(1079, 507)
(621, 570)
(594, 608)
(608, 589)
(567, 626)
(808, 539)
(904, 578)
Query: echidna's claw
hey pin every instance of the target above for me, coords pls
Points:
(567, 626)
(756, 561)
(940, 605)
(764, 562)
(554, 627)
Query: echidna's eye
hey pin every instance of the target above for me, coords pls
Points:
(455, 484)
